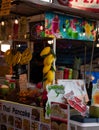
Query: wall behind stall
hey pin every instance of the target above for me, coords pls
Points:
(67, 50)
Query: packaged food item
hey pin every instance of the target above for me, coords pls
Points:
(76, 103)
(94, 111)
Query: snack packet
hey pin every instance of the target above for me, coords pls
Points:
(76, 103)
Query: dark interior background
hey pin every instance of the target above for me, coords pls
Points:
(66, 51)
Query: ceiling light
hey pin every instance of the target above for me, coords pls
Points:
(64, 28)
(84, 34)
(50, 41)
(16, 21)
(5, 47)
(19, 45)
(2, 23)
(41, 27)
(97, 45)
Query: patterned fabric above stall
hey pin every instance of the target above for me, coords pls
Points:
(64, 26)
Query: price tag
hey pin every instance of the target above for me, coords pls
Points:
(23, 82)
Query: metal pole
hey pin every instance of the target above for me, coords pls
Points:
(54, 48)
(90, 69)
(85, 63)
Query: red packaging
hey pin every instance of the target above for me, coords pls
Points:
(66, 73)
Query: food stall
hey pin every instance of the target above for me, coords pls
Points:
(23, 103)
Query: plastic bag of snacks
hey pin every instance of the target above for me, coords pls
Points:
(76, 103)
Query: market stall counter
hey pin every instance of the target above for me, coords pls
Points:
(22, 110)
(75, 125)
(16, 116)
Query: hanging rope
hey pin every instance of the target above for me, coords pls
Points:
(85, 63)
(90, 69)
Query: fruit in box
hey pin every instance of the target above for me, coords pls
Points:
(29, 96)
(94, 111)
(4, 89)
